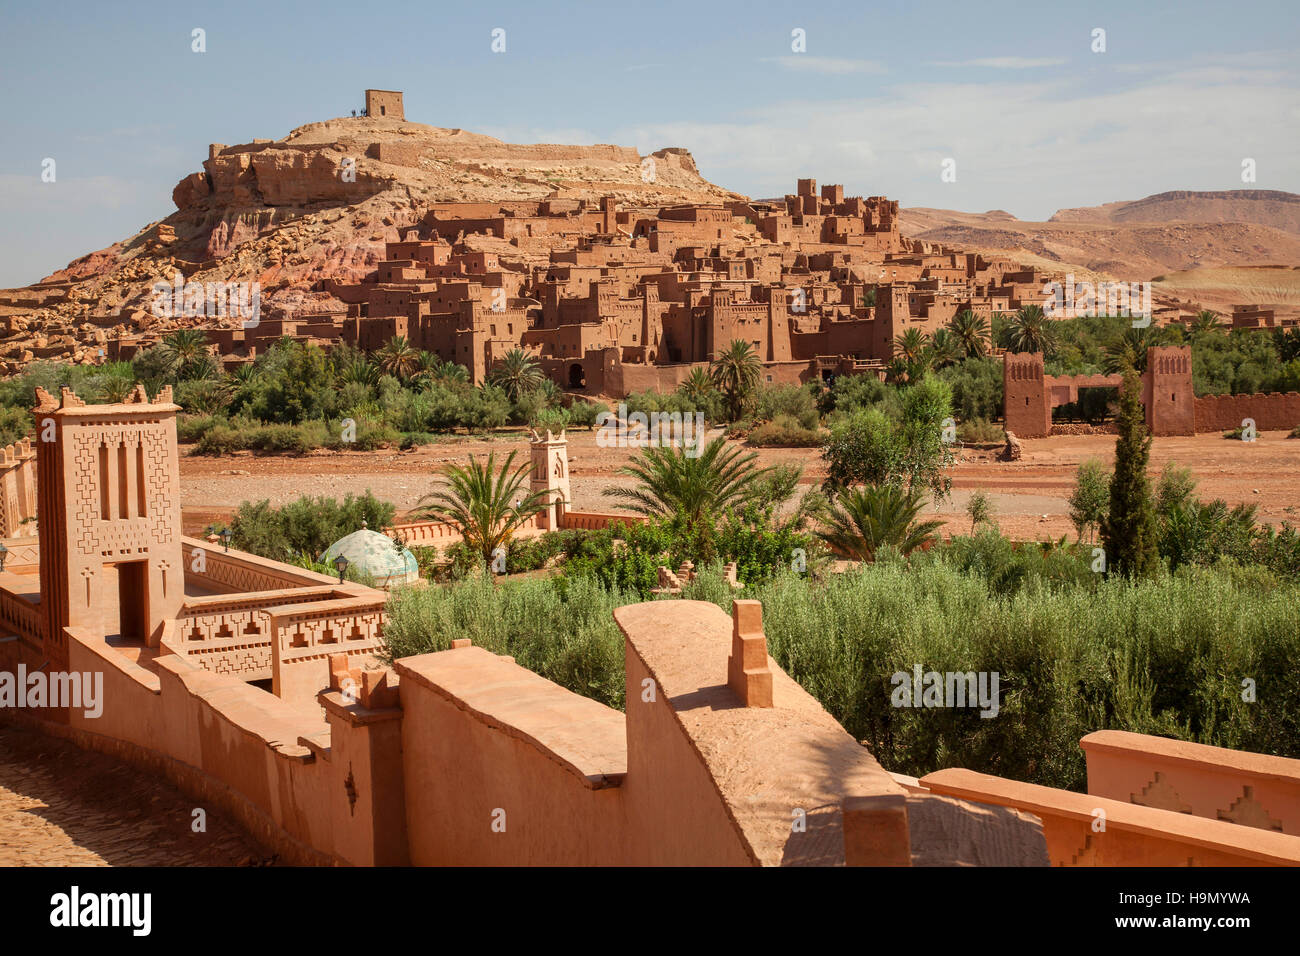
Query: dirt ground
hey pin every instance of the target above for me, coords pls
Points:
(1029, 495)
(63, 806)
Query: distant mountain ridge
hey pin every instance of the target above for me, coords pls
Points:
(1263, 207)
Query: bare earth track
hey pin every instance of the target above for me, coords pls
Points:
(1030, 495)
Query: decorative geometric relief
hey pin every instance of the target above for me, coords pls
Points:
(1248, 812)
(1087, 855)
(1161, 795)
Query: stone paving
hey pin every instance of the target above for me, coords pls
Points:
(64, 806)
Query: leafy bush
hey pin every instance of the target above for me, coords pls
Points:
(584, 414)
(15, 424)
(222, 440)
(532, 554)
(869, 448)
(979, 431)
(793, 402)
(976, 388)
(191, 428)
(561, 629)
(291, 439)
(1090, 499)
(308, 525)
(853, 393)
(622, 557)
(784, 432)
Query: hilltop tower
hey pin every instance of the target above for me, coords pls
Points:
(385, 103)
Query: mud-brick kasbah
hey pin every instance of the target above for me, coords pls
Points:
(260, 688)
(257, 687)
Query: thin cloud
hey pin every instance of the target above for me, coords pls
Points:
(1079, 145)
(1005, 62)
(837, 66)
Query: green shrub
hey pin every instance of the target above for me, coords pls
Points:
(289, 439)
(308, 525)
(792, 402)
(192, 428)
(222, 440)
(563, 630)
(980, 431)
(15, 424)
(976, 388)
(584, 414)
(784, 432)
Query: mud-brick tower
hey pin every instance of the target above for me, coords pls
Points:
(1167, 391)
(1025, 404)
(109, 503)
(551, 475)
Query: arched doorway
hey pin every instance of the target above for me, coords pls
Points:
(577, 379)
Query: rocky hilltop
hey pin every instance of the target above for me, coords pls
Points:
(319, 203)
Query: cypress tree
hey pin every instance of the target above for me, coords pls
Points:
(1128, 533)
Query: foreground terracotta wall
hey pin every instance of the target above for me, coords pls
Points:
(228, 743)
(503, 767)
(674, 804)
(1087, 830)
(1254, 790)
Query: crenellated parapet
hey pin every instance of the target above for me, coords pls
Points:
(17, 487)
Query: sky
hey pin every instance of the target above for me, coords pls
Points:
(969, 106)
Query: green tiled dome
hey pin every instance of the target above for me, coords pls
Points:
(376, 555)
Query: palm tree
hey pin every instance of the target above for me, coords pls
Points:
(897, 371)
(450, 373)
(517, 374)
(398, 358)
(360, 370)
(426, 366)
(865, 519)
(735, 374)
(910, 345)
(971, 332)
(945, 350)
(685, 482)
(1129, 348)
(1204, 322)
(487, 506)
(114, 389)
(696, 387)
(1031, 331)
(186, 348)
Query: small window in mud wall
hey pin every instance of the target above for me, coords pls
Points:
(383, 111)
